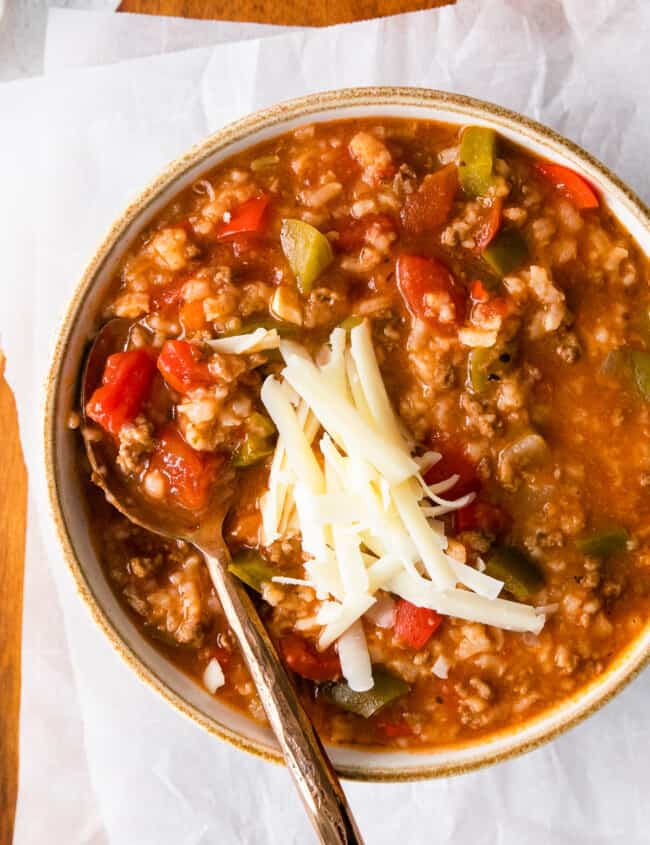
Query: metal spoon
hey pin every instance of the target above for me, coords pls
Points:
(303, 752)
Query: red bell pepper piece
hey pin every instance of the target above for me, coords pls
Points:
(303, 659)
(190, 474)
(489, 225)
(569, 184)
(248, 217)
(180, 365)
(125, 387)
(415, 626)
(430, 206)
(430, 291)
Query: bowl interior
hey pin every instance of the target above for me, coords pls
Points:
(67, 490)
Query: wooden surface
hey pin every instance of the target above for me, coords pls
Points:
(287, 12)
(13, 506)
(13, 478)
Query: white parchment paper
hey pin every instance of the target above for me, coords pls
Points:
(87, 38)
(103, 759)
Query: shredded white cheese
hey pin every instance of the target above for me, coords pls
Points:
(355, 660)
(368, 520)
(246, 344)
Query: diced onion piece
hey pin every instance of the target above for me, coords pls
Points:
(213, 677)
(382, 613)
(300, 455)
(348, 612)
(355, 660)
(256, 341)
(441, 667)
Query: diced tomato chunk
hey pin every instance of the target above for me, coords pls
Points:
(392, 730)
(303, 659)
(430, 291)
(248, 217)
(190, 474)
(569, 184)
(489, 225)
(125, 387)
(415, 626)
(453, 462)
(430, 205)
(352, 233)
(482, 516)
(180, 365)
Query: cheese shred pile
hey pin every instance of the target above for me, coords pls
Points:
(344, 476)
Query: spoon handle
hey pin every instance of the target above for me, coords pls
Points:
(303, 752)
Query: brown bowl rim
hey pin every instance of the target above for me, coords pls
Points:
(307, 106)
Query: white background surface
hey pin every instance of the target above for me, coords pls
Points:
(103, 760)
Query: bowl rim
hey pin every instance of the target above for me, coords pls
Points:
(454, 105)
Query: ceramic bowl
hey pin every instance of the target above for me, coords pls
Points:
(66, 487)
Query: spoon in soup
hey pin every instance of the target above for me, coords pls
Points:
(303, 752)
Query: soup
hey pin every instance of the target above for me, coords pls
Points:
(419, 359)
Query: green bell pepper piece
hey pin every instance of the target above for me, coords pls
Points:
(618, 364)
(486, 365)
(603, 544)
(478, 361)
(387, 688)
(477, 154)
(641, 368)
(257, 443)
(307, 250)
(631, 366)
(507, 252)
(350, 322)
(520, 575)
(252, 569)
